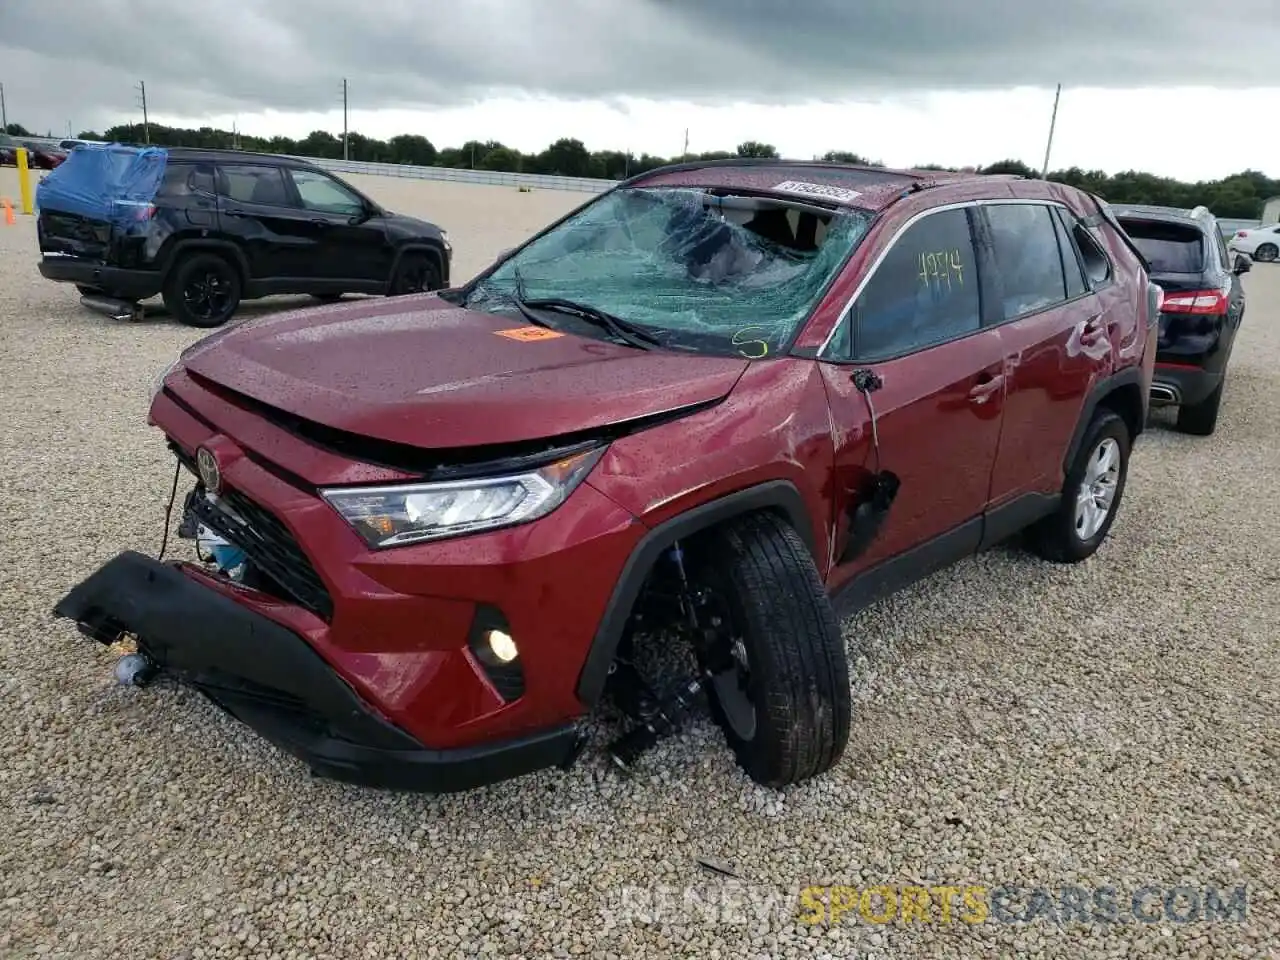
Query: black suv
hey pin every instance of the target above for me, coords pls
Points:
(209, 228)
(1202, 309)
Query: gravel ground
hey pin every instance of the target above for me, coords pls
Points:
(1017, 724)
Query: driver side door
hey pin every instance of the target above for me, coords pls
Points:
(352, 247)
(917, 323)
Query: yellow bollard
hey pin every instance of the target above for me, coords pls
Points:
(24, 181)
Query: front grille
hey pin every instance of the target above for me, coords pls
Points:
(270, 547)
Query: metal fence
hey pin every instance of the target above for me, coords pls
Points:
(532, 181)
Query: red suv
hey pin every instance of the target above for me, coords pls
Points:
(720, 405)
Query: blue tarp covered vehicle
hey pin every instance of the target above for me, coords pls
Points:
(108, 183)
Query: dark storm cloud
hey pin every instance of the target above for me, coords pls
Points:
(79, 59)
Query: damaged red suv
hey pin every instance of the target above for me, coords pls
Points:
(717, 408)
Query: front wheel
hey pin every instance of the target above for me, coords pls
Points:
(1091, 495)
(781, 687)
(202, 290)
(1267, 253)
(416, 273)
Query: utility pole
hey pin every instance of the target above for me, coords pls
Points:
(4, 114)
(686, 144)
(1053, 122)
(146, 126)
(344, 119)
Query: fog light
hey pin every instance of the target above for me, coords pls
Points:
(501, 645)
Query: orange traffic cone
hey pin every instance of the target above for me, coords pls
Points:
(9, 219)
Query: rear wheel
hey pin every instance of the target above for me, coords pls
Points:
(1202, 419)
(1091, 495)
(202, 290)
(1266, 253)
(781, 687)
(416, 273)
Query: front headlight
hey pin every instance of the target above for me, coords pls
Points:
(413, 513)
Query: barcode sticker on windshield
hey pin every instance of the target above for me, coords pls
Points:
(825, 190)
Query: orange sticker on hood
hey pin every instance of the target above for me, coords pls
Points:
(529, 334)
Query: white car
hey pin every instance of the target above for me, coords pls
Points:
(1260, 243)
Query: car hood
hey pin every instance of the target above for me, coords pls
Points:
(420, 371)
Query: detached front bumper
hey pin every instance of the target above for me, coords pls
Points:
(271, 679)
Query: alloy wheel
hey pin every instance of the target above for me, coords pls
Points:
(1097, 489)
(208, 294)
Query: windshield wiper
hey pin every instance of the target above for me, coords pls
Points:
(630, 333)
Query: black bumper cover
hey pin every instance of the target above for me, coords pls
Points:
(116, 281)
(272, 680)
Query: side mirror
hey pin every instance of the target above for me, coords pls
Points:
(1242, 265)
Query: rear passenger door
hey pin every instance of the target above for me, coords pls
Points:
(1055, 339)
(916, 322)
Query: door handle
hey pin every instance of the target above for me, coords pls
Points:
(235, 213)
(988, 386)
(320, 222)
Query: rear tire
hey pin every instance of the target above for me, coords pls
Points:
(415, 273)
(202, 290)
(1267, 253)
(796, 676)
(1202, 419)
(1076, 529)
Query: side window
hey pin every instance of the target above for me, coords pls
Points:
(1224, 256)
(1097, 267)
(253, 183)
(186, 179)
(325, 195)
(1076, 284)
(923, 292)
(1027, 257)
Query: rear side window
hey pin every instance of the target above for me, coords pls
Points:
(1097, 267)
(1027, 257)
(186, 179)
(252, 183)
(1168, 247)
(924, 291)
(1076, 283)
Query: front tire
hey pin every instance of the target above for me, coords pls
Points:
(1091, 495)
(415, 273)
(1267, 253)
(202, 290)
(784, 638)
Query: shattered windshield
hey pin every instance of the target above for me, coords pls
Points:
(724, 274)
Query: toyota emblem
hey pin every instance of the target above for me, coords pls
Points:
(207, 465)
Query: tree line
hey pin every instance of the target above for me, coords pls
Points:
(1239, 195)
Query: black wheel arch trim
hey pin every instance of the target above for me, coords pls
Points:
(778, 495)
(208, 245)
(435, 251)
(1130, 376)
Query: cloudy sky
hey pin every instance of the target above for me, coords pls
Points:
(1182, 88)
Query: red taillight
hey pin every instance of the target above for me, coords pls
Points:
(1197, 301)
(1242, 233)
